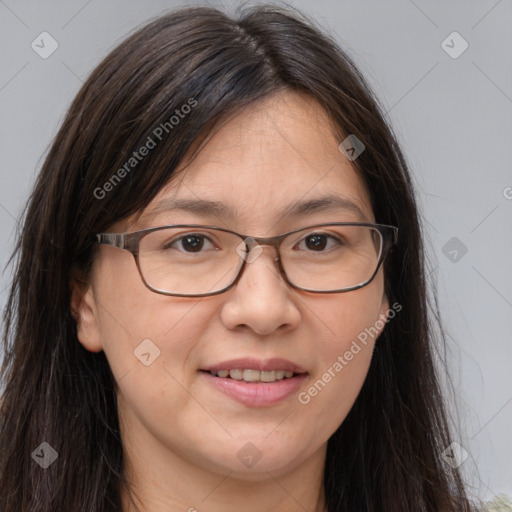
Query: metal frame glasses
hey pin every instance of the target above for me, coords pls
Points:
(131, 241)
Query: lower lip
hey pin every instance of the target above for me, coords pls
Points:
(257, 394)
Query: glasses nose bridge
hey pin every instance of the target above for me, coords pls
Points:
(254, 241)
(273, 241)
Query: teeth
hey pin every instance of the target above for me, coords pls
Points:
(268, 376)
(249, 375)
(236, 374)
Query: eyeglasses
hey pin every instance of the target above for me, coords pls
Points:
(193, 260)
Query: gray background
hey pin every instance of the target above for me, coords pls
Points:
(453, 119)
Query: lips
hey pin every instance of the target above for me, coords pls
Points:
(270, 381)
(256, 394)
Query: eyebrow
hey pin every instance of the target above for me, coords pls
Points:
(328, 203)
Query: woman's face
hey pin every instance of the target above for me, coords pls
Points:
(264, 160)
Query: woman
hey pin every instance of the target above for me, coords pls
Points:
(220, 299)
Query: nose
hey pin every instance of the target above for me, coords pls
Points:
(261, 299)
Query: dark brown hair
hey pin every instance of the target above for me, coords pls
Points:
(386, 455)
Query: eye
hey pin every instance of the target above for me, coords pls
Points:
(191, 242)
(317, 242)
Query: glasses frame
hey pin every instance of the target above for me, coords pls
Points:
(130, 242)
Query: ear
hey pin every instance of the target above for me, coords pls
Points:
(384, 309)
(380, 324)
(84, 311)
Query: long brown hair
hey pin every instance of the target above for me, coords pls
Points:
(386, 455)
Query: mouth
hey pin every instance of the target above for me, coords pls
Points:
(256, 383)
(254, 376)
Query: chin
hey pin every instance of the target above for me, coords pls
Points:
(253, 461)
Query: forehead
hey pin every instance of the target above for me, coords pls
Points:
(276, 159)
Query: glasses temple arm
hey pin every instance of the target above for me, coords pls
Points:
(112, 239)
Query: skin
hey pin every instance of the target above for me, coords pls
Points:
(180, 434)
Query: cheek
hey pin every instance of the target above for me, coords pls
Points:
(149, 341)
(343, 353)
(141, 330)
(342, 318)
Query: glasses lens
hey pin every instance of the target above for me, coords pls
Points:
(195, 261)
(328, 258)
(189, 260)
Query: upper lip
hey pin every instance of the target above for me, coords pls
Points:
(249, 363)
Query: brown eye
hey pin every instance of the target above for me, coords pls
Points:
(317, 242)
(188, 243)
(193, 242)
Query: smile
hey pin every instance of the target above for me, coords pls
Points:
(249, 375)
(256, 392)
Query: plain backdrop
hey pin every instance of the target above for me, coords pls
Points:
(451, 110)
